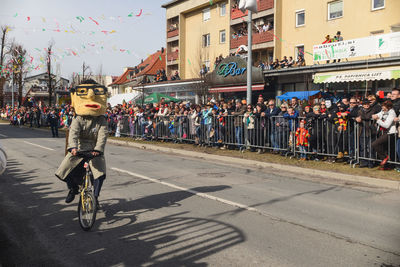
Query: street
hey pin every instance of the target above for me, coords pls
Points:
(166, 210)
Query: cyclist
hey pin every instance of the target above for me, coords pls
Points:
(88, 132)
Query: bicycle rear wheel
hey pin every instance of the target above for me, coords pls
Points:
(87, 210)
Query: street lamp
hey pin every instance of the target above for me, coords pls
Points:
(251, 6)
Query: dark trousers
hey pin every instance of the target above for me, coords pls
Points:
(384, 145)
(54, 130)
(75, 178)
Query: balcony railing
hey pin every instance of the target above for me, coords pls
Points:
(258, 38)
(261, 6)
(172, 56)
(173, 33)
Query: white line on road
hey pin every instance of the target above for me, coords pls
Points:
(203, 195)
(39, 146)
(3, 135)
(245, 207)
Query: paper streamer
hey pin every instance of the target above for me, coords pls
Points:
(93, 20)
(140, 13)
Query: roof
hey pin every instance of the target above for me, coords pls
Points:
(150, 67)
(42, 74)
(171, 3)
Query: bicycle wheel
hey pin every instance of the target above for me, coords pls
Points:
(87, 210)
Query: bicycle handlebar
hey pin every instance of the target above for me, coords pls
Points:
(87, 154)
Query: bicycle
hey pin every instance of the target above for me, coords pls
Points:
(87, 206)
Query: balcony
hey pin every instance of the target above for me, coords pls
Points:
(172, 33)
(261, 6)
(172, 56)
(265, 5)
(258, 38)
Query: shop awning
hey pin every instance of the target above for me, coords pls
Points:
(372, 74)
(301, 95)
(229, 89)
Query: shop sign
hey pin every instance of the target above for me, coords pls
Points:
(230, 68)
(368, 46)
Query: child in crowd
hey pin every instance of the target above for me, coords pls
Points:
(302, 136)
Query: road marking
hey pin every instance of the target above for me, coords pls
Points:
(3, 135)
(39, 146)
(203, 195)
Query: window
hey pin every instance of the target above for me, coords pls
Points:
(222, 9)
(206, 14)
(335, 10)
(378, 4)
(299, 51)
(222, 37)
(207, 64)
(300, 18)
(206, 40)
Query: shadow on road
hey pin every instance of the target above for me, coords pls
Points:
(41, 230)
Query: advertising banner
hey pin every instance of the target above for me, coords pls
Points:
(367, 46)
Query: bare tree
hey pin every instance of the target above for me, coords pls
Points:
(84, 69)
(20, 68)
(3, 54)
(100, 78)
(201, 89)
(50, 78)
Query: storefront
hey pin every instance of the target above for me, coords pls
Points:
(353, 77)
(361, 81)
(229, 79)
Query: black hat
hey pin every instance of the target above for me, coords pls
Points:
(365, 101)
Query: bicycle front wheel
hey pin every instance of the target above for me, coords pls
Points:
(87, 209)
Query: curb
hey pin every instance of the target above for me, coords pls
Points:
(278, 167)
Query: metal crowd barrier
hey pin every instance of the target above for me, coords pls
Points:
(352, 144)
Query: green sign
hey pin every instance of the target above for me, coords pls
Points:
(230, 68)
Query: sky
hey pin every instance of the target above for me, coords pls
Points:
(112, 34)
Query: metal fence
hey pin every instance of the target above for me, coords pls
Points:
(353, 142)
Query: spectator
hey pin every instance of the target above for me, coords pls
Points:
(289, 63)
(249, 124)
(53, 119)
(302, 136)
(300, 61)
(386, 133)
(175, 76)
(283, 62)
(239, 111)
(270, 113)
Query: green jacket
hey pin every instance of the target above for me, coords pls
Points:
(86, 133)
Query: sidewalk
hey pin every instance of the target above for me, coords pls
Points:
(386, 179)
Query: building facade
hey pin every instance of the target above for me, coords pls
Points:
(197, 33)
(305, 23)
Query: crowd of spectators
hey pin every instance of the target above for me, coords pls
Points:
(332, 129)
(37, 116)
(282, 64)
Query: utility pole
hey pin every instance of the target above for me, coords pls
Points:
(249, 56)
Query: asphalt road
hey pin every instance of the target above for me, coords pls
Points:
(166, 210)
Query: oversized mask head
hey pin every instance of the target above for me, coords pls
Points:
(89, 99)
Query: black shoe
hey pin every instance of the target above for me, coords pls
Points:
(71, 195)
